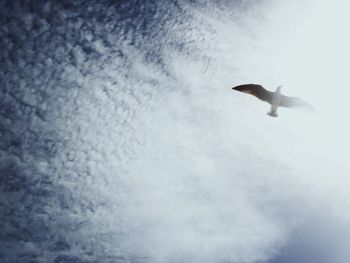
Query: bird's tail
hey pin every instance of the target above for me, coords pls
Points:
(272, 113)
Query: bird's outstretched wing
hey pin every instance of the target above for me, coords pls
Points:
(295, 102)
(256, 90)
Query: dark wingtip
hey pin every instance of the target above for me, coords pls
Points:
(238, 88)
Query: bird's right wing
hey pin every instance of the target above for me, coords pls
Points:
(256, 90)
(295, 102)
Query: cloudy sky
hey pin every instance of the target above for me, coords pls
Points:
(122, 141)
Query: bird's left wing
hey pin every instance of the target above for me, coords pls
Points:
(256, 90)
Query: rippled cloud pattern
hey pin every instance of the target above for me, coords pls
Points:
(121, 140)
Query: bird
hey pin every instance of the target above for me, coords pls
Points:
(275, 99)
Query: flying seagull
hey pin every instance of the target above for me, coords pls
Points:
(275, 99)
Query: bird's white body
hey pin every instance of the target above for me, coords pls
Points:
(275, 102)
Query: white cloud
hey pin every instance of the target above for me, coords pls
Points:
(211, 177)
(162, 159)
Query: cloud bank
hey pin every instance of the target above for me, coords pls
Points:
(123, 142)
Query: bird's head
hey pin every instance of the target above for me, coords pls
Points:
(279, 88)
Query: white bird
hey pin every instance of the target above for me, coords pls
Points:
(275, 99)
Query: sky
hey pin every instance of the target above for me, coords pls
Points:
(122, 140)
